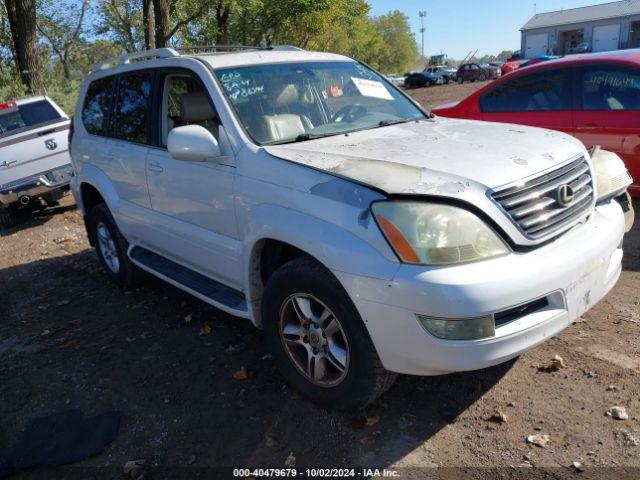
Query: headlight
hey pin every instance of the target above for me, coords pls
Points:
(611, 175)
(434, 234)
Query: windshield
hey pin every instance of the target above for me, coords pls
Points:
(300, 101)
(26, 115)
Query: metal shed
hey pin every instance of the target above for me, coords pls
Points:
(604, 27)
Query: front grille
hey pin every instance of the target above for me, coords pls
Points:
(536, 207)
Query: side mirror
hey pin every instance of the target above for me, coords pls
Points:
(192, 143)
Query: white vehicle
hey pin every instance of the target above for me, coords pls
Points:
(305, 193)
(34, 156)
(397, 80)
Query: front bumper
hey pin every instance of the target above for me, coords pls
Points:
(574, 272)
(36, 185)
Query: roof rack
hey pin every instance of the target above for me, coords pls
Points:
(176, 52)
(235, 48)
(145, 55)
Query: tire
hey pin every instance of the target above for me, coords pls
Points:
(483, 77)
(460, 80)
(106, 238)
(363, 379)
(7, 217)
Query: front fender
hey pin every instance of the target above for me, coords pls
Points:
(336, 248)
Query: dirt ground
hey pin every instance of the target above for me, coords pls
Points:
(68, 338)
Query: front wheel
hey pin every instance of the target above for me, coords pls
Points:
(460, 80)
(111, 248)
(318, 340)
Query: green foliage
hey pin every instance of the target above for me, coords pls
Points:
(10, 85)
(112, 27)
(399, 50)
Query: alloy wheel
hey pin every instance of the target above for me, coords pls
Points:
(314, 340)
(108, 248)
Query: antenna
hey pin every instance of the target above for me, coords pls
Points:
(422, 15)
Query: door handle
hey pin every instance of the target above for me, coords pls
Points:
(6, 163)
(589, 127)
(155, 167)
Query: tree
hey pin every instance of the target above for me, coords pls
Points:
(60, 23)
(148, 24)
(399, 50)
(121, 20)
(21, 15)
(187, 11)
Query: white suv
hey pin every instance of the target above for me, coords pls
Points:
(304, 192)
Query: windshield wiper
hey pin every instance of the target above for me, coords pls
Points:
(303, 137)
(386, 123)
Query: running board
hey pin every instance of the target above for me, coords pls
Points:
(204, 288)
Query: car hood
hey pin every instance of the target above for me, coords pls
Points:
(441, 156)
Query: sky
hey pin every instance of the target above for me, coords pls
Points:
(456, 27)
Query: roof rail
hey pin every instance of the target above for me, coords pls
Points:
(233, 48)
(176, 52)
(127, 58)
(286, 48)
(217, 48)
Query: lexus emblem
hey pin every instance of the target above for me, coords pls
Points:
(565, 195)
(51, 144)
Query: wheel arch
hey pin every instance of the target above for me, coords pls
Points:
(282, 234)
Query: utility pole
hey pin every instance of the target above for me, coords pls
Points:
(422, 14)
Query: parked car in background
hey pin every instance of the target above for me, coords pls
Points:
(584, 47)
(538, 59)
(397, 80)
(595, 97)
(470, 72)
(423, 79)
(448, 73)
(421, 247)
(494, 70)
(34, 156)
(517, 55)
(511, 65)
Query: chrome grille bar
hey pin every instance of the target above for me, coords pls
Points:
(550, 204)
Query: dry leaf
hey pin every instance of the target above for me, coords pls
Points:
(290, 461)
(557, 363)
(498, 417)
(188, 318)
(240, 374)
(371, 421)
(205, 329)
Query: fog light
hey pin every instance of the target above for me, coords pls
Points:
(462, 329)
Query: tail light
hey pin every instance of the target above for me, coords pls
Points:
(7, 105)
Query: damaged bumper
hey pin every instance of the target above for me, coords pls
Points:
(36, 185)
(532, 296)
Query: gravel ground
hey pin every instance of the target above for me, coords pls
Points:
(68, 338)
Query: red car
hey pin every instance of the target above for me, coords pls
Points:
(470, 72)
(594, 97)
(511, 65)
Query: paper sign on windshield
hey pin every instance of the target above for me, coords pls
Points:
(371, 88)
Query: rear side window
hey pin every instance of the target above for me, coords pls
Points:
(132, 107)
(97, 103)
(538, 92)
(610, 88)
(27, 115)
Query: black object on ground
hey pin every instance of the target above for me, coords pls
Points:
(60, 439)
